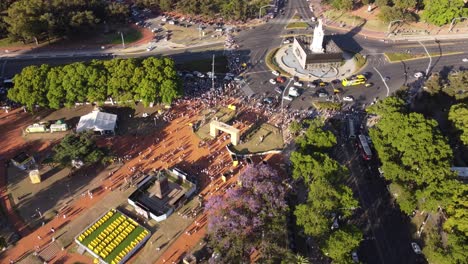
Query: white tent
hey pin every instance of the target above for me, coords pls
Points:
(97, 121)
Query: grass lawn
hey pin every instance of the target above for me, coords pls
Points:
(271, 63)
(99, 230)
(204, 65)
(341, 16)
(297, 17)
(272, 140)
(130, 35)
(327, 105)
(297, 25)
(6, 42)
(360, 60)
(137, 231)
(400, 56)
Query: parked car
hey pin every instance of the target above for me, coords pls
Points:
(299, 84)
(322, 94)
(286, 41)
(280, 79)
(354, 256)
(287, 97)
(272, 81)
(293, 92)
(238, 78)
(311, 85)
(150, 48)
(278, 90)
(275, 73)
(465, 59)
(416, 248)
(369, 84)
(348, 99)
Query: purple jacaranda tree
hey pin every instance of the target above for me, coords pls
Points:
(242, 218)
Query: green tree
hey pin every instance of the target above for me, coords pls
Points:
(405, 4)
(458, 115)
(117, 12)
(295, 127)
(442, 12)
(165, 5)
(457, 85)
(434, 84)
(80, 147)
(316, 166)
(24, 19)
(55, 92)
(315, 138)
(30, 87)
(341, 243)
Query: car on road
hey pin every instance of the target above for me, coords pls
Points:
(311, 85)
(354, 256)
(465, 59)
(238, 78)
(150, 48)
(275, 73)
(279, 90)
(387, 78)
(369, 84)
(287, 97)
(322, 94)
(348, 99)
(323, 84)
(280, 79)
(298, 84)
(416, 248)
(286, 41)
(418, 74)
(272, 81)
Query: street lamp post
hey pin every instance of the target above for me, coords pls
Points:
(260, 11)
(453, 22)
(123, 41)
(430, 58)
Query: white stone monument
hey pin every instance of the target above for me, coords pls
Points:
(317, 40)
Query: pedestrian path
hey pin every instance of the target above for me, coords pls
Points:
(50, 251)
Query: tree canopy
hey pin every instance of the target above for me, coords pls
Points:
(328, 196)
(250, 215)
(78, 147)
(459, 116)
(28, 19)
(416, 157)
(124, 80)
(442, 12)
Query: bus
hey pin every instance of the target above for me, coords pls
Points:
(364, 146)
(352, 133)
(355, 80)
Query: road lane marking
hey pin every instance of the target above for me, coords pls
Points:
(388, 89)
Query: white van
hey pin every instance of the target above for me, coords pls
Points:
(293, 92)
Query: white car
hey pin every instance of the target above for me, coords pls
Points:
(299, 84)
(293, 92)
(354, 256)
(465, 59)
(275, 73)
(272, 81)
(348, 99)
(419, 74)
(286, 41)
(287, 97)
(416, 248)
(150, 48)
